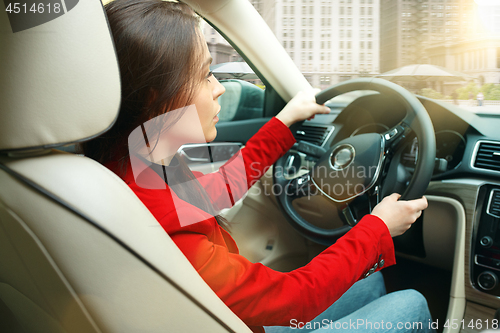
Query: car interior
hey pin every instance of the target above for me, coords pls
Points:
(79, 252)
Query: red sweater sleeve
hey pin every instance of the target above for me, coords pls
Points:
(235, 177)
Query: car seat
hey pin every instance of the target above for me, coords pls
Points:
(79, 252)
(242, 100)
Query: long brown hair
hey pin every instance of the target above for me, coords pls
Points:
(158, 46)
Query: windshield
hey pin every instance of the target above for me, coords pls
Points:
(447, 50)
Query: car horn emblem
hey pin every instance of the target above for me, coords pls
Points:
(28, 14)
(342, 157)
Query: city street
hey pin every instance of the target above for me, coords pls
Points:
(488, 109)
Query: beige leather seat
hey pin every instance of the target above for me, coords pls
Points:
(78, 251)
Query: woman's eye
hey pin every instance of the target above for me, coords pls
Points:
(209, 75)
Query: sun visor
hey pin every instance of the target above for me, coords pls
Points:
(59, 76)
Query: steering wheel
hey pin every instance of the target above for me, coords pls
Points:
(357, 172)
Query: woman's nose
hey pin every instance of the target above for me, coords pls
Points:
(219, 89)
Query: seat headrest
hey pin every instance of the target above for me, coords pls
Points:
(59, 76)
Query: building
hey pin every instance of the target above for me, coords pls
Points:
(219, 48)
(266, 9)
(408, 27)
(329, 40)
(478, 57)
(477, 52)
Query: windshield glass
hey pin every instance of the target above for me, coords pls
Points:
(447, 50)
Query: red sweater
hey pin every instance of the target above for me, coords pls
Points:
(257, 294)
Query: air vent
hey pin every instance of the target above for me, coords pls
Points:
(316, 134)
(494, 204)
(488, 156)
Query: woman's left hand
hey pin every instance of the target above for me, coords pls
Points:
(303, 106)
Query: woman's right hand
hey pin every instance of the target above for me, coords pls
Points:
(397, 214)
(303, 106)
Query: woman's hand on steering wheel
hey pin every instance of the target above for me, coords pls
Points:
(303, 106)
(399, 215)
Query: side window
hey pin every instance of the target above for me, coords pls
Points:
(242, 100)
(244, 96)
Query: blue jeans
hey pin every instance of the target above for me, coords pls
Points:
(366, 307)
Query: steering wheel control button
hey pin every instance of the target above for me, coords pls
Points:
(486, 241)
(292, 164)
(391, 134)
(395, 136)
(299, 187)
(487, 280)
(349, 216)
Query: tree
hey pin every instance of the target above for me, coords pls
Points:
(465, 92)
(431, 93)
(491, 91)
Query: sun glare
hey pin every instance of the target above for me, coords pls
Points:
(487, 2)
(488, 15)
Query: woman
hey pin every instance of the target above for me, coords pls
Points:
(169, 98)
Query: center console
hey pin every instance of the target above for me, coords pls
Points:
(485, 265)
